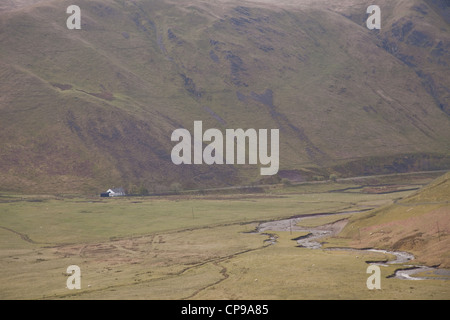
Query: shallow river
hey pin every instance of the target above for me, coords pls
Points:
(310, 241)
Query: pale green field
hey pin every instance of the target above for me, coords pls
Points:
(186, 247)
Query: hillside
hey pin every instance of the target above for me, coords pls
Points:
(84, 110)
(419, 224)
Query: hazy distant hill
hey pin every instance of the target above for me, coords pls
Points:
(85, 110)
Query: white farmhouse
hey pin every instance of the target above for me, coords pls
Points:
(116, 192)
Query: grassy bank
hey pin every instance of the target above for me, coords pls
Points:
(186, 247)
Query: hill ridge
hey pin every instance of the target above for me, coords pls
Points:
(105, 99)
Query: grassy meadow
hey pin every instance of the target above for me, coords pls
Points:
(190, 247)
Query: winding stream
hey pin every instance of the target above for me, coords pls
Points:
(310, 241)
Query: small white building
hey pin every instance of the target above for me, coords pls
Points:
(116, 192)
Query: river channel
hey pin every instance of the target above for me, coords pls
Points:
(314, 234)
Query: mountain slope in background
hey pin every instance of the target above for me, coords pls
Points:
(83, 110)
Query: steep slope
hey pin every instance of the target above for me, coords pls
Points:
(419, 224)
(86, 109)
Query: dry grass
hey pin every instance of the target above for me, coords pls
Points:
(419, 224)
(148, 248)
